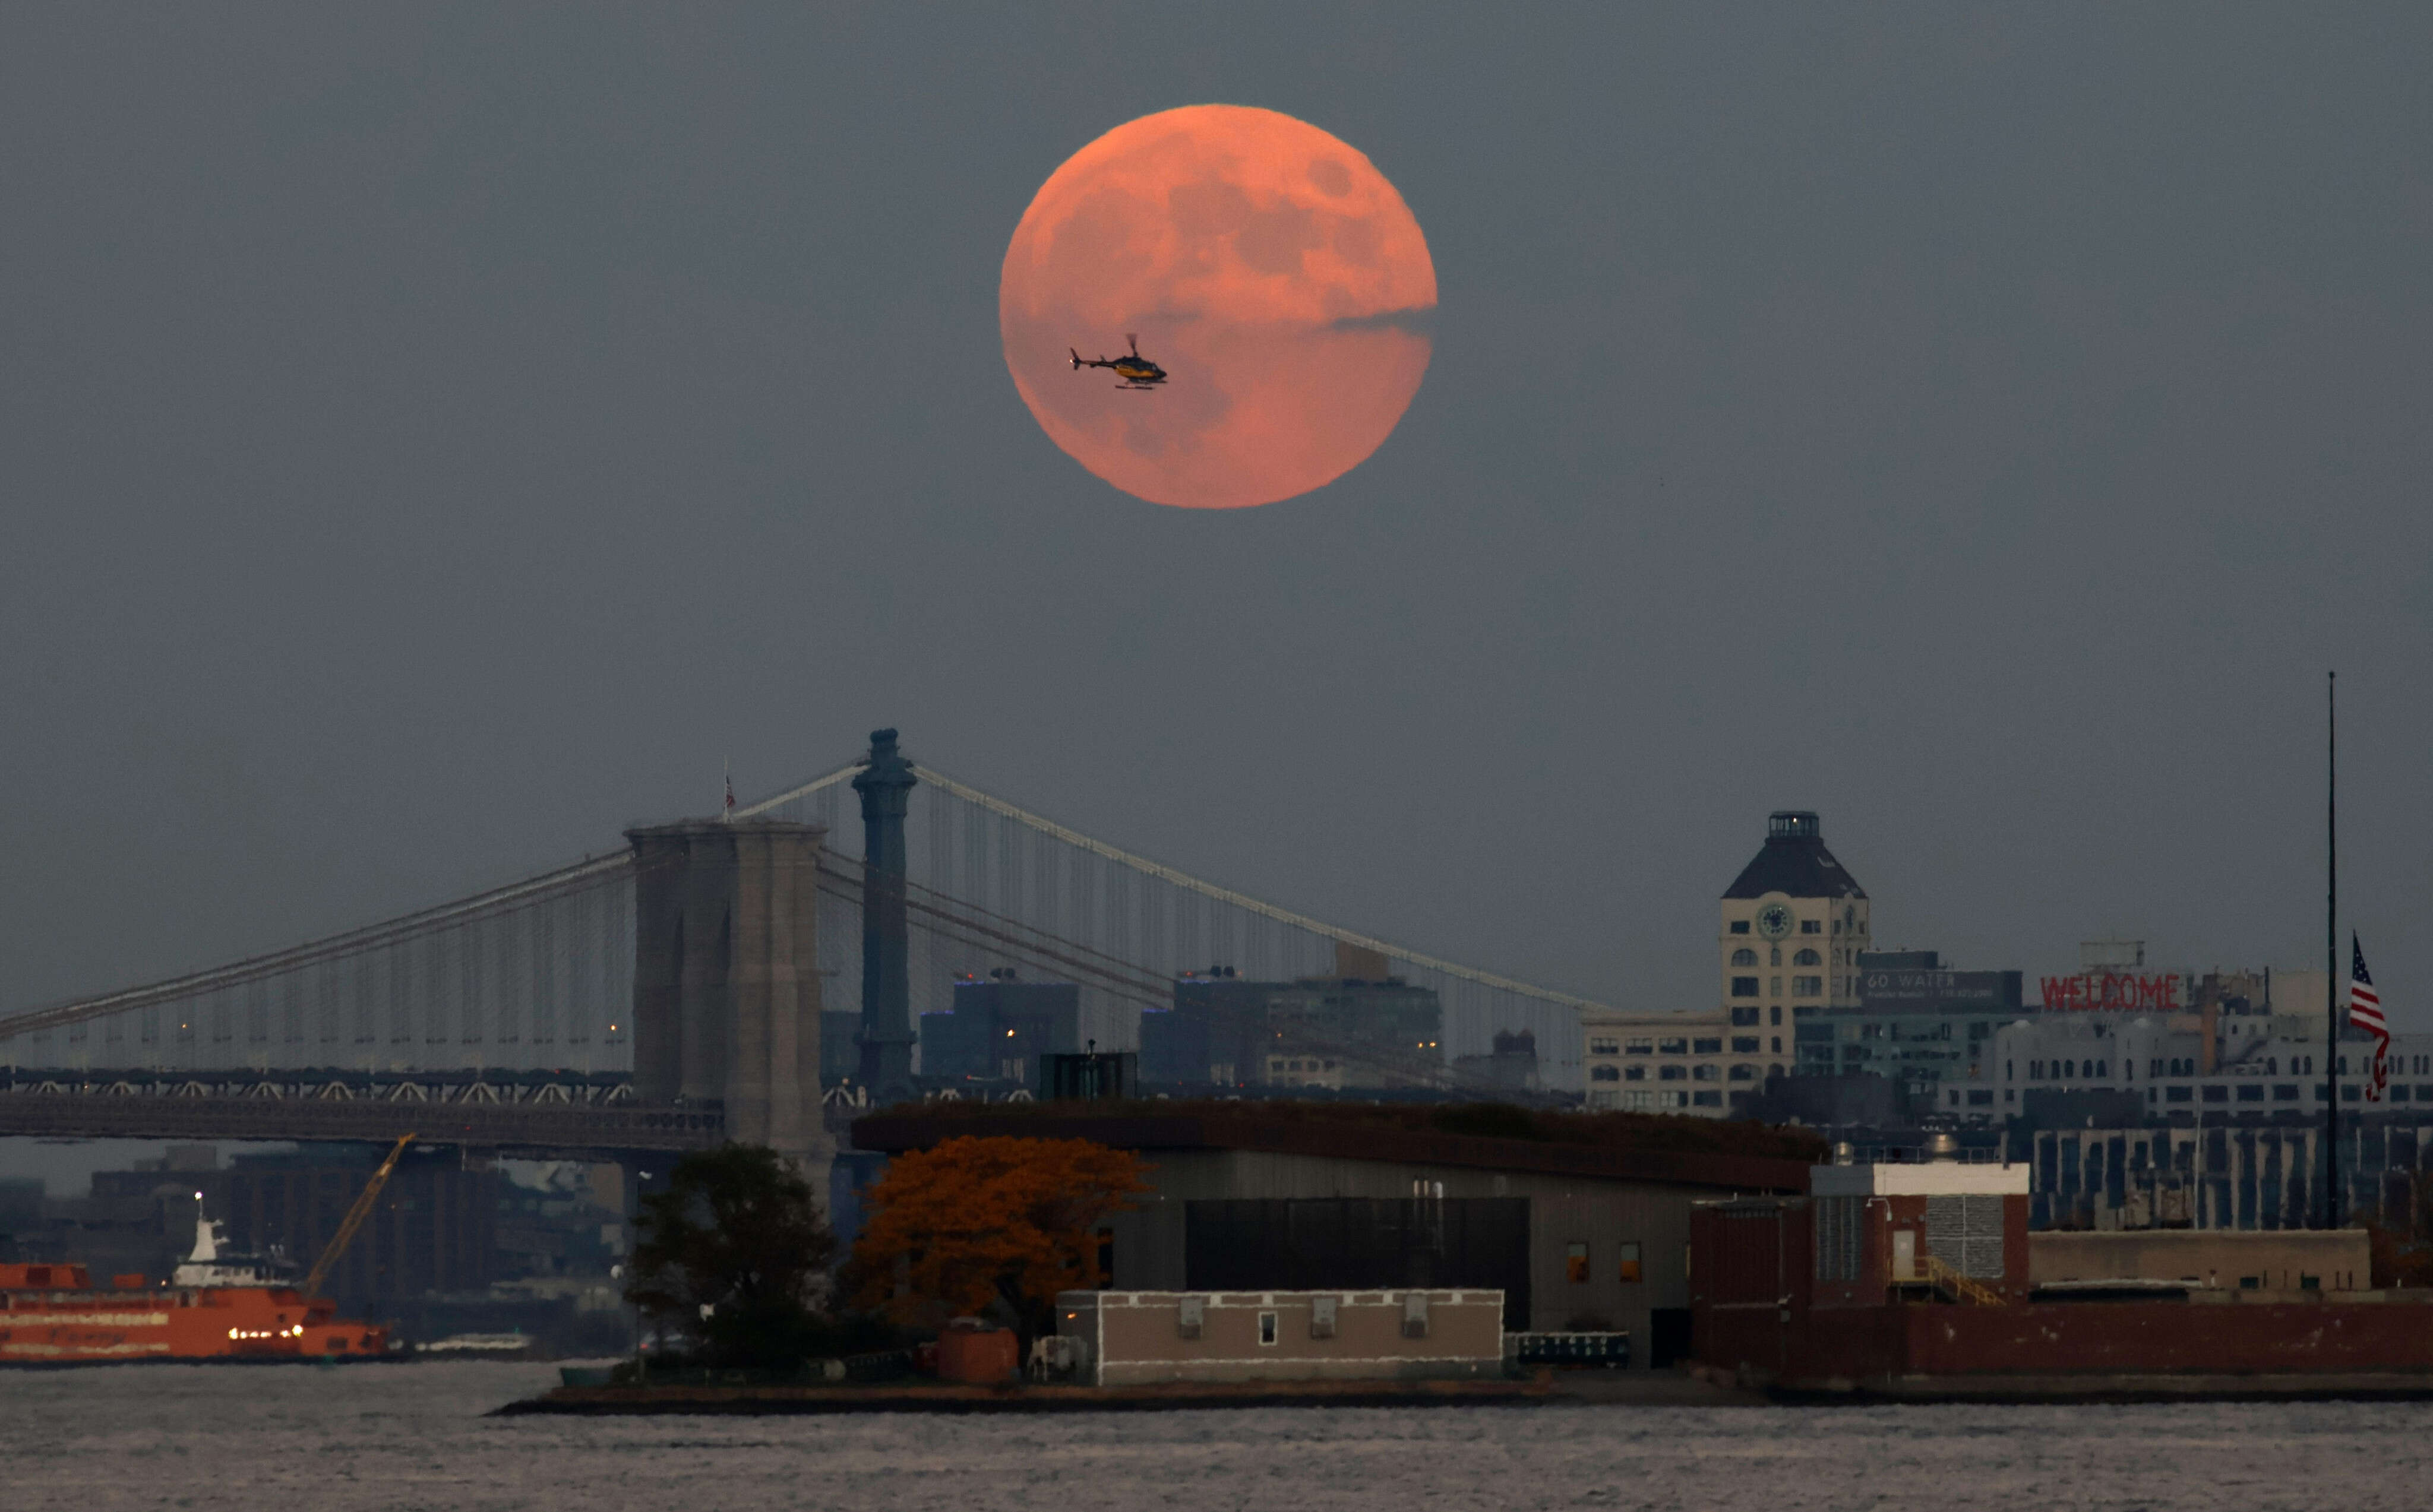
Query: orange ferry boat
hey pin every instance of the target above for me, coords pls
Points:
(214, 1307)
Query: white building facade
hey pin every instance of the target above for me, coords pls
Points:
(1789, 932)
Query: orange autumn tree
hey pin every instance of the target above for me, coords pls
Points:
(974, 1221)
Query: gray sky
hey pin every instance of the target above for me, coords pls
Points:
(433, 437)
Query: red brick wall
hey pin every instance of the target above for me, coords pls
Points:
(2062, 1337)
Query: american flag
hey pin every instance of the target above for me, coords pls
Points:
(2365, 1013)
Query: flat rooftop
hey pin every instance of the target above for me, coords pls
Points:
(1750, 1158)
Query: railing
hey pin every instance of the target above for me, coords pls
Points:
(1966, 1288)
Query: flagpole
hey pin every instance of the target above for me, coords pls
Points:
(2331, 952)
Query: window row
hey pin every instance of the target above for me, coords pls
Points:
(1848, 924)
(1636, 1099)
(1746, 957)
(1800, 986)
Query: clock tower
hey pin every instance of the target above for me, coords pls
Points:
(1794, 923)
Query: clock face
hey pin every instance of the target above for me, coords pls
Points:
(1774, 920)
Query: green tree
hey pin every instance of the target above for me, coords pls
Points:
(732, 1258)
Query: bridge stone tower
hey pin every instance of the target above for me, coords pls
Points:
(886, 788)
(727, 984)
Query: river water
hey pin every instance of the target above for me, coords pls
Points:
(415, 1436)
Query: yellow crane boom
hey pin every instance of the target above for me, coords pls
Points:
(353, 1220)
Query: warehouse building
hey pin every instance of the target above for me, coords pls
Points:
(1577, 1236)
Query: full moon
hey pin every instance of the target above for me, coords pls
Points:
(1267, 267)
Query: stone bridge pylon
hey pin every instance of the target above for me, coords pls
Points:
(726, 985)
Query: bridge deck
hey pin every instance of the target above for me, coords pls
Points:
(556, 1129)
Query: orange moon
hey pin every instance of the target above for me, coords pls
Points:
(1267, 267)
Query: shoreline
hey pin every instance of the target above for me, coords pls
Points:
(1546, 1389)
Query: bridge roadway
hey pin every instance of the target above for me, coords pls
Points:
(574, 1118)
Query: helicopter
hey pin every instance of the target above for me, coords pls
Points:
(1136, 370)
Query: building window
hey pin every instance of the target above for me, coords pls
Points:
(2178, 1094)
(1778, 1044)
(1774, 987)
(2285, 1093)
(1674, 1044)
(1671, 1073)
(1627, 1273)
(1635, 1073)
(1706, 1073)
(1604, 1046)
(1806, 958)
(1744, 1045)
(1643, 1045)
(1671, 1099)
(1740, 926)
(1745, 1017)
(1709, 1099)
(1980, 1096)
(1812, 926)
(1267, 1328)
(2215, 1091)
(1605, 1073)
(1575, 1263)
(1743, 1073)
(1713, 1047)
(1743, 957)
(2252, 1092)
(1807, 987)
(1743, 987)
(1838, 1225)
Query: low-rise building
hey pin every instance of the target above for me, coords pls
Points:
(1693, 1061)
(1139, 1338)
(1919, 1280)
(1919, 1023)
(999, 1028)
(1345, 1031)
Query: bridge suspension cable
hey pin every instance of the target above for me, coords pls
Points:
(389, 932)
(1243, 900)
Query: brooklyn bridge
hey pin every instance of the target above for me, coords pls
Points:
(673, 994)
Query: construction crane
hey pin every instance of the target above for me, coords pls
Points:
(354, 1219)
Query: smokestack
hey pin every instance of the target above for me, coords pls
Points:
(886, 786)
